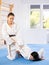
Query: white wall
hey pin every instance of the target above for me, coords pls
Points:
(22, 10)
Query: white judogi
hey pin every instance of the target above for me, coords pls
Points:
(13, 30)
(25, 51)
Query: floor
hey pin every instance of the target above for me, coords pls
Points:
(22, 61)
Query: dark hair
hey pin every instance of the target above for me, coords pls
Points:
(35, 56)
(10, 14)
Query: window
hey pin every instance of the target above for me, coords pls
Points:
(46, 16)
(34, 15)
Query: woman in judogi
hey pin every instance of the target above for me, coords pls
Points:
(12, 35)
(30, 54)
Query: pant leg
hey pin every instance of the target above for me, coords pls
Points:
(11, 52)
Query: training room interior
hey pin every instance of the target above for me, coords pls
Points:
(32, 16)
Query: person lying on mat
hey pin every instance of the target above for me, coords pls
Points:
(27, 53)
(11, 33)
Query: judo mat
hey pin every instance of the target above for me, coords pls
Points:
(21, 60)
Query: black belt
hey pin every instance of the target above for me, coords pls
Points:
(12, 35)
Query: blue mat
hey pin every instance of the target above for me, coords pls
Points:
(22, 61)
